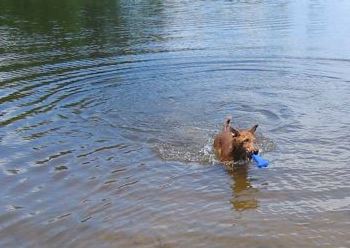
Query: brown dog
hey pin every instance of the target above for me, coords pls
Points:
(233, 145)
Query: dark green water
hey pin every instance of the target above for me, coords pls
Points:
(108, 110)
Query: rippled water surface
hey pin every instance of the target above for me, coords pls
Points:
(108, 110)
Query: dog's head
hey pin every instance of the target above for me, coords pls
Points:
(244, 143)
(234, 145)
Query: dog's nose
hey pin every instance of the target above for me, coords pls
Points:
(256, 152)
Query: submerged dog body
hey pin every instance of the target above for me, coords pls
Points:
(235, 145)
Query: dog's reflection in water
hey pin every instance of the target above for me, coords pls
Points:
(243, 193)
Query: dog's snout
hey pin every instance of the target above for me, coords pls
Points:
(253, 152)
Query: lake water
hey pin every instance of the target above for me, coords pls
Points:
(108, 110)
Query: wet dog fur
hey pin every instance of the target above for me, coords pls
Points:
(232, 145)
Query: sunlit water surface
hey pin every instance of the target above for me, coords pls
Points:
(108, 110)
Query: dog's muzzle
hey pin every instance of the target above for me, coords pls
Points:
(255, 152)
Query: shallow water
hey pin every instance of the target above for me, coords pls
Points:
(108, 110)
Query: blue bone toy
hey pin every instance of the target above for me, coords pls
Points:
(259, 161)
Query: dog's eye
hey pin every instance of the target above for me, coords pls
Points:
(246, 140)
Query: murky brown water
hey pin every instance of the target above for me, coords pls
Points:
(108, 110)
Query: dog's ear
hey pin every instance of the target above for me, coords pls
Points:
(253, 129)
(227, 123)
(235, 132)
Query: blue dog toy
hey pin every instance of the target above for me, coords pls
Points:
(259, 161)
